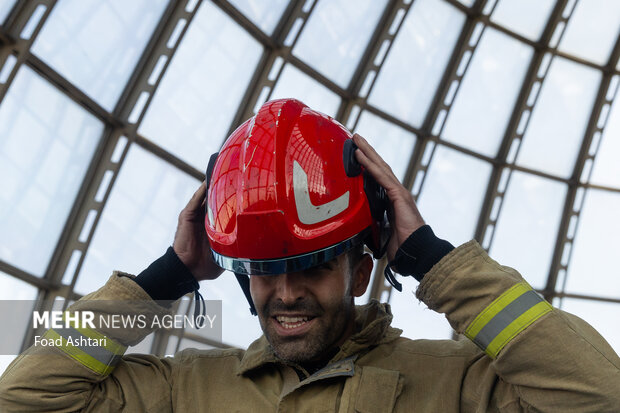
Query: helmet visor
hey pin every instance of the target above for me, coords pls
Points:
(287, 264)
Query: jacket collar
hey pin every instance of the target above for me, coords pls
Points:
(372, 326)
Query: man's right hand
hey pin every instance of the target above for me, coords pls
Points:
(191, 243)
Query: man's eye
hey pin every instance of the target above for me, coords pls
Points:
(318, 268)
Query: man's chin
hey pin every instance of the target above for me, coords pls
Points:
(293, 354)
(294, 349)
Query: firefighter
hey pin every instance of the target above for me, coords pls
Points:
(288, 205)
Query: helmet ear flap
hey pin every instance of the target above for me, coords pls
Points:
(351, 166)
(378, 200)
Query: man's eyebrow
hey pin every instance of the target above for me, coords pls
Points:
(329, 264)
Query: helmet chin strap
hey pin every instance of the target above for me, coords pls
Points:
(244, 282)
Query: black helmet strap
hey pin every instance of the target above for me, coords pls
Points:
(244, 282)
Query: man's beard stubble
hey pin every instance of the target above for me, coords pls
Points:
(330, 325)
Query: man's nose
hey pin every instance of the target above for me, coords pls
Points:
(290, 287)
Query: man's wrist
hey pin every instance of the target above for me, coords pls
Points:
(167, 278)
(420, 252)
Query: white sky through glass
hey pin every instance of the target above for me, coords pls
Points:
(192, 109)
(53, 142)
(72, 42)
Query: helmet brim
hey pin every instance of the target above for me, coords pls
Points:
(288, 264)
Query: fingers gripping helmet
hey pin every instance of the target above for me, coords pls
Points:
(285, 193)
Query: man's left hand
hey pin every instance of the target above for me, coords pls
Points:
(404, 215)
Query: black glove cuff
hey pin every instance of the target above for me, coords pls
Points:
(167, 278)
(417, 255)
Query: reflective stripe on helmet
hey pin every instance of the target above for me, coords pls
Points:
(288, 264)
(307, 212)
(506, 317)
(88, 347)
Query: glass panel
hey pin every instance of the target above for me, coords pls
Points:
(346, 26)
(139, 220)
(14, 323)
(46, 144)
(526, 17)
(196, 100)
(527, 227)
(560, 117)
(485, 100)
(412, 70)
(239, 327)
(265, 15)
(96, 44)
(171, 346)
(593, 265)
(12, 288)
(394, 144)
(5, 9)
(592, 30)
(606, 170)
(143, 347)
(5, 361)
(468, 2)
(293, 83)
(601, 315)
(414, 317)
(452, 194)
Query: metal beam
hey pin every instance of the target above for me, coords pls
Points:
(13, 43)
(368, 65)
(247, 24)
(429, 132)
(368, 69)
(117, 137)
(22, 275)
(70, 90)
(588, 297)
(500, 174)
(581, 174)
(270, 66)
(463, 50)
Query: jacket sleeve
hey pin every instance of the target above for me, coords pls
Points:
(70, 376)
(538, 358)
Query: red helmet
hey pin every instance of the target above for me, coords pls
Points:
(279, 199)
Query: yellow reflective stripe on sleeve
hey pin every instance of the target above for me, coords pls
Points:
(505, 317)
(520, 324)
(495, 307)
(109, 344)
(96, 358)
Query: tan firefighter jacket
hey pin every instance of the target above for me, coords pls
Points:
(526, 357)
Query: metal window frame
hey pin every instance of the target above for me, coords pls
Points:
(117, 125)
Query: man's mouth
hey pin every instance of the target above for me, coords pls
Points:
(292, 322)
(292, 325)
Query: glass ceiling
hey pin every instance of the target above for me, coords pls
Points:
(499, 115)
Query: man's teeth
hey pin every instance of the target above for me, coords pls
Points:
(291, 322)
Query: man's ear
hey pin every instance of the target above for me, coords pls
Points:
(361, 275)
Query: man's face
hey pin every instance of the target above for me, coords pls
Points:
(307, 313)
